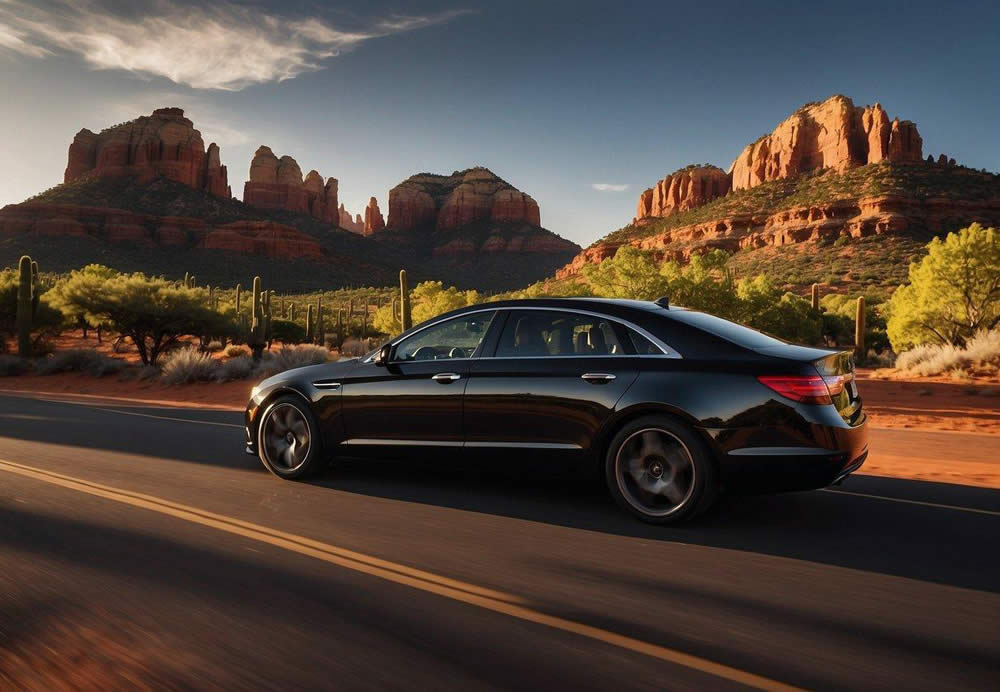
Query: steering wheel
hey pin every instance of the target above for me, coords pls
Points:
(425, 353)
(457, 352)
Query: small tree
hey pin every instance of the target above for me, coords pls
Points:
(631, 273)
(952, 293)
(153, 312)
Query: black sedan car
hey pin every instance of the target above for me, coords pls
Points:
(670, 405)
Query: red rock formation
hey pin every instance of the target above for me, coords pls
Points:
(264, 238)
(448, 202)
(277, 184)
(374, 221)
(884, 214)
(162, 144)
(832, 134)
(353, 224)
(682, 190)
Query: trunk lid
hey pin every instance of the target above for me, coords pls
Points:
(836, 367)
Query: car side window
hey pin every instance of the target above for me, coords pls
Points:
(454, 338)
(541, 333)
(643, 346)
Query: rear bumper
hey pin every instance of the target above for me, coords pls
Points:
(832, 454)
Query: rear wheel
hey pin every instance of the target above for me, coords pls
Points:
(288, 439)
(658, 470)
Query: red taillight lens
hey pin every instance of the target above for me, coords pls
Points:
(809, 389)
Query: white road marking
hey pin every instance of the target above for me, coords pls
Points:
(913, 502)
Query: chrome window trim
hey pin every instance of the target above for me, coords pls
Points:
(667, 351)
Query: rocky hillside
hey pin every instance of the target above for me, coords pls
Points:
(830, 174)
(146, 195)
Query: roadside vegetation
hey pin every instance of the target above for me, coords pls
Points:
(944, 319)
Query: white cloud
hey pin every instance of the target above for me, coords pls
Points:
(609, 187)
(225, 47)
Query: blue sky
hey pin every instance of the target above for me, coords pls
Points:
(555, 97)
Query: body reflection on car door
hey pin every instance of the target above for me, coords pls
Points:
(554, 381)
(414, 401)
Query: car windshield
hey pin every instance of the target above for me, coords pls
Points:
(730, 331)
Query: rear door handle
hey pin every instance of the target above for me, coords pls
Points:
(597, 377)
(446, 377)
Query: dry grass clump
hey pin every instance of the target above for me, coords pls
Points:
(83, 360)
(238, 368)
(188, 365)
(13, 365)
(234, 351)
(982, 351)
(288, 358)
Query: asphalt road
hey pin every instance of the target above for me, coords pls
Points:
(140, 546)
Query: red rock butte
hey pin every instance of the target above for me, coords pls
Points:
(277, 184)
(164, 143)
(444, 202)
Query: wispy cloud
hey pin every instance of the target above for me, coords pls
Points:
(225, 47)
(609, 187)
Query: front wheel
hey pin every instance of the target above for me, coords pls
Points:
(288, 439)
(658, 470)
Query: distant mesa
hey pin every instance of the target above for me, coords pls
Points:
(682, 190)
(354, 225)
(447, 202)
(164, 143)
(277, 184)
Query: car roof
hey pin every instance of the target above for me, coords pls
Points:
(610, 306)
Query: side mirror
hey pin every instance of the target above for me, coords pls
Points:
(382, 357)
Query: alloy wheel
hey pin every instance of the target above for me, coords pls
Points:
(655, 472)
(286, 437)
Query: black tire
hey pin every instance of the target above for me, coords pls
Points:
(659, 470)
(289, 443)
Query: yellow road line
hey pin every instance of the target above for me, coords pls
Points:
(914, 502)
(453, 589)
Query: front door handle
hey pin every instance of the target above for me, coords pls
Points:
(446, 377)
(597, 377)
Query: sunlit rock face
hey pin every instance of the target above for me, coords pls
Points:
(164, 143)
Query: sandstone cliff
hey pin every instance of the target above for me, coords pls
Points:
(374, 221)
(448, 202)
(353, 224)
(682, 190)
(277, 184)
(164, 143)
(833, 134)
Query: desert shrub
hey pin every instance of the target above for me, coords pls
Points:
(238, 368)
(80, 360)
(355, 348)
(295, 357)
(188, 365)
(841, 241)
(935, 359)
(153, 312)
(213, 346)
(234, 351)
(953, 292)
(287, 332)
(13, 365)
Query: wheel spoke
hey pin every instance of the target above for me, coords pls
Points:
(672, 492)
(655, 471)
(652, 444)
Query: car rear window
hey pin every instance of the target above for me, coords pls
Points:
(724, 329)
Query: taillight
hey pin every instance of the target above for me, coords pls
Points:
(809, 389)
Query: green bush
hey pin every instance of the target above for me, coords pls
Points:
(153, 312)
(287, 332)
(952, 293)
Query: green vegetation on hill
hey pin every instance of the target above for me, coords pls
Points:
(914, 181)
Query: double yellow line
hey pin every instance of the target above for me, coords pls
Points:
(456, 590)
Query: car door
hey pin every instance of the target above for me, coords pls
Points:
(551, 383)
(415, 399)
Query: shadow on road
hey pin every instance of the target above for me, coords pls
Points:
(915, 541)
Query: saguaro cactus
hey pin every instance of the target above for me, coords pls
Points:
(310, 322)
(257, 340)
(239, 297)
(404, 301)
(859, 327)
(25, 296)
(815, 297)
(291, 312)
(187, 280)
(320, 331)
(36, 290)
(267, 316)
